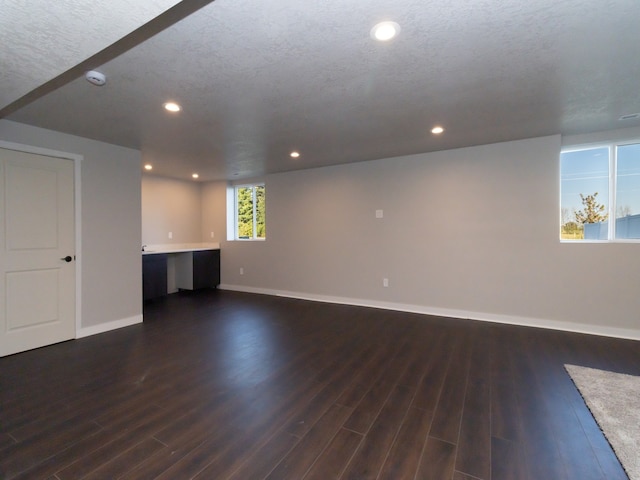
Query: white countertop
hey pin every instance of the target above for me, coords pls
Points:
(179, 248)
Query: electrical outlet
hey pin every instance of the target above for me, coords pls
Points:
(212, 235)
(170, 235)
(241, 270)
(379, 214)
(385, 282)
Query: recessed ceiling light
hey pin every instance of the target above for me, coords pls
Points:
(148, 166)
(385, 31)
(195, 175)
(294, 154)
(437, 130)
(172, 107)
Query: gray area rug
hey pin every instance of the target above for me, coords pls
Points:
(614, 401)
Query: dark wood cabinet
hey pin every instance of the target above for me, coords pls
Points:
(206, 269)
(154, 276)
(197, 269)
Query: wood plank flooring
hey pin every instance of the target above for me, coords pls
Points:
(226, 385)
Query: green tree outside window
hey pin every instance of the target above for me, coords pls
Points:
(251, 212)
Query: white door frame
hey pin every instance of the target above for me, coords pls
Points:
(77, 161)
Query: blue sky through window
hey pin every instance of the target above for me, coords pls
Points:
(584, 172)
(628, 180)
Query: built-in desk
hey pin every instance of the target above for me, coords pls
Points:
(167, 269)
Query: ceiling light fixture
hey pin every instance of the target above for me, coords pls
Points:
(148, 166)
(195, 175)
(172, 107)
(294, 154)
(385, 31)
(437, 130)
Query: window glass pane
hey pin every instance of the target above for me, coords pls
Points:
(584, 194)
(261, 229)
(628, 192)
(244, 199)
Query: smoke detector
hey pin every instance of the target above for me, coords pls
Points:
(95, 78)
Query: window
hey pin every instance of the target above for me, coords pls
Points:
(249, 212)
(597, 185)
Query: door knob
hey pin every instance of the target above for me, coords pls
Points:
(67, 259)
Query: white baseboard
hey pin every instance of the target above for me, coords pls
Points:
(590, 329)
(106, 327)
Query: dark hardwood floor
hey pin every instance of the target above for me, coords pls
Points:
(225, 385)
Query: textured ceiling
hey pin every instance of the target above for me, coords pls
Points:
(42, 39)
(257, 79)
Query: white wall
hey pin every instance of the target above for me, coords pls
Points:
(471, 232)
(214, 214)
(111, 285)
(170, 205)
(191, 210)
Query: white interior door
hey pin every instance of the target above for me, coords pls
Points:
(37, 284)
